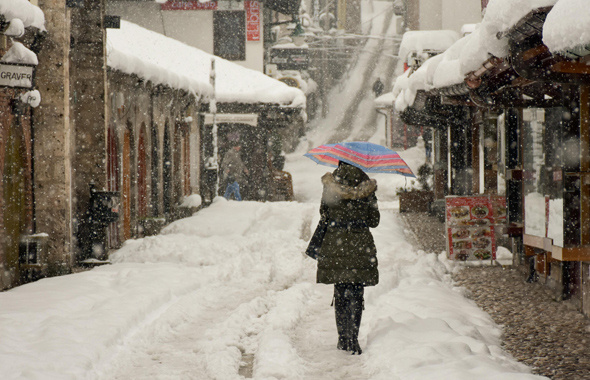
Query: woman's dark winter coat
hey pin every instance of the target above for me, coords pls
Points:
(349, 204)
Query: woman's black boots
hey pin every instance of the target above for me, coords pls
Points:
(342, 317)
(356, 312)
(348, 307)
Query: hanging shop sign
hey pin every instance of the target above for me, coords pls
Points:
(289, 58)
(250, 119)
(471, 224)
(252, 20)
(16, 75)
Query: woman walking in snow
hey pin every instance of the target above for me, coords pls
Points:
(347, 256)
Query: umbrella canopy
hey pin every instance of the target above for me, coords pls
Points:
(369, 157)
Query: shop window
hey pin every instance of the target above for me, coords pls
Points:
(229, 35)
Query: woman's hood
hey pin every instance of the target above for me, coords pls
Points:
(334, 191)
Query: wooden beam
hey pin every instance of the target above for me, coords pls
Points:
(581, 253)
(571, 67)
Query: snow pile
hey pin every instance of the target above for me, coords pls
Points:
(420, 41)
(163, 60)
(27, 13)
(18, 53)
(193, 200)
(16, 28)
(566, 26)
(504, 14)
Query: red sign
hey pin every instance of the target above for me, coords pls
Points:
(252, 20)
(188, 5)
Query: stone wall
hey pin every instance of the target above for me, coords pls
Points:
(52, 140)
(87, 86)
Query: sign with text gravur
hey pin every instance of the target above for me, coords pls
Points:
(14, 75)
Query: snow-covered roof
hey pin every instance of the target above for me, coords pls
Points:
(567, 25)
(502, 15)
(29, 14)
(163, 60)
(470, 52)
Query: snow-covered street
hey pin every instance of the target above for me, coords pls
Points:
(228, 294)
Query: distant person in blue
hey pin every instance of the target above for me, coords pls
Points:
(234, 172)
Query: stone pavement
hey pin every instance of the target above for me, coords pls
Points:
(553, 338)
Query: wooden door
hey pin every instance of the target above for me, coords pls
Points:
(142, 195)
(126, 186)
(113, 178)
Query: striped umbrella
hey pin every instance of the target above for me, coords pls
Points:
(369, 157)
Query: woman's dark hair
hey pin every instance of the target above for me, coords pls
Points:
(349, 175)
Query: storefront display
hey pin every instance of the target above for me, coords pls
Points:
(471, 225)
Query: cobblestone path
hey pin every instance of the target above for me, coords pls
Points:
(551, 337)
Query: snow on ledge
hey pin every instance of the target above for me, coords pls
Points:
(18, 53)
(385, 100)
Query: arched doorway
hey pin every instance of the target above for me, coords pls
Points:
(186, 162)
(126, 184)
(142, 189)
(155, 159)
(113, 184)
(167, 171)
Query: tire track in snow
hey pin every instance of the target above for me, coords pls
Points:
(175, 345)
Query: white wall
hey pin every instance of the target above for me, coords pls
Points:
(430, 14)
(193, 27)
(448, 14)
(145, 14)
(456, 13)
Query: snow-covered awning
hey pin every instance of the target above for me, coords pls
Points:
(29, 14)
(567, 26)
(384, 101)
(470, 52)
(426, 40)
(163, 60)
(501, 15)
